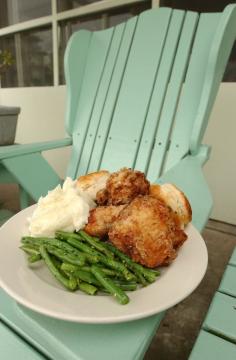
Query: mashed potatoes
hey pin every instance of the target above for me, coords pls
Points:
(64, 208)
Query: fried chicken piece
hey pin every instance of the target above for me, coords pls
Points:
(101, 218)
(102, 197)
(147, 231)
(124, 185)
(175, 199)
(93, 182)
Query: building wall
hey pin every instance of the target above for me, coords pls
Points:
(42, 118)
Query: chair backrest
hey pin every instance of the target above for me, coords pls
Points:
(140, 93)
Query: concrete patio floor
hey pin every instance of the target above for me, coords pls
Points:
(179, 329)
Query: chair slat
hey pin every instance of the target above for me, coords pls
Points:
(75, 62)
(158, 95)
(232, 260)
(190, 97)
(172, 96)
(109, 106)
(97, 54)
(136, 89)
(13, 347)
(211, 347)
(100, 100)
(221, 317)
(228, 283)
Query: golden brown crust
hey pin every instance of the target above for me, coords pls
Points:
(147, 231)
(93, 182)
(101, 218)
(174, 198)
(102, 197)
(88, 180)
(125, 184)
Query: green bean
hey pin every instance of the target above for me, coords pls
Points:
(57, 243)
(87, 277)
(118, 266)
(64, 235)
(34, 258)
(64, 256)
(31, 250)
(87, 288)
(96, 243)
(126, 287)
(91, 255)
(108, 272)
(70, 284)
(139, 270)
(110, 286)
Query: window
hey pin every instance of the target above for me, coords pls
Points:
(208, 6)
(13, 12)
(36, 32)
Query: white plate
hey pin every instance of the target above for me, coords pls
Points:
(37, 289)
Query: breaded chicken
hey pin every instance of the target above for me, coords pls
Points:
(93, 182)
(147, 231)
(101, 218)
(102, 197)
(123, 186)
(175, 199)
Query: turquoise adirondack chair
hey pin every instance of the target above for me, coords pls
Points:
(139, 95)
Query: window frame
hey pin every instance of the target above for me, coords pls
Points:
(56, 17)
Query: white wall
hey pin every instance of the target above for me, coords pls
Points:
(220, 170)
(42, 118)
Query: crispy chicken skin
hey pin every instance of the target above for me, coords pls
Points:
(101, 218)
(102, 197)
(147, 231)
(123, 186)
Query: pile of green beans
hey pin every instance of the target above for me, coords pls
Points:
(82, 262)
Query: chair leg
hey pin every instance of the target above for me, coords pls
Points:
(24, 198)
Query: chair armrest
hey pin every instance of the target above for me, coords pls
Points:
(188, 176)
(22, 149)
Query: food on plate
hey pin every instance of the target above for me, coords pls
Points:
(92, 183)
(123, 186)
(79, 261)
(65, 208)
(147, 231)
(108, 231)
(175, 199)
(101, 218)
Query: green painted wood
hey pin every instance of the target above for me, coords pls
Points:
(159, 91)
(191, 168)
(42, 179)
(109, 106)
(97, 54)
(5, 176)
(232, 260)
(76, 55)
(222, 43)
(172, 96)
(228, 282)
(21, 149)
(100, 100)
(114, 95)
(13, 347)
(191, 92)
(136, 89)
(24, 198)
(211, 347)
(221, 317)
(66, 340)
